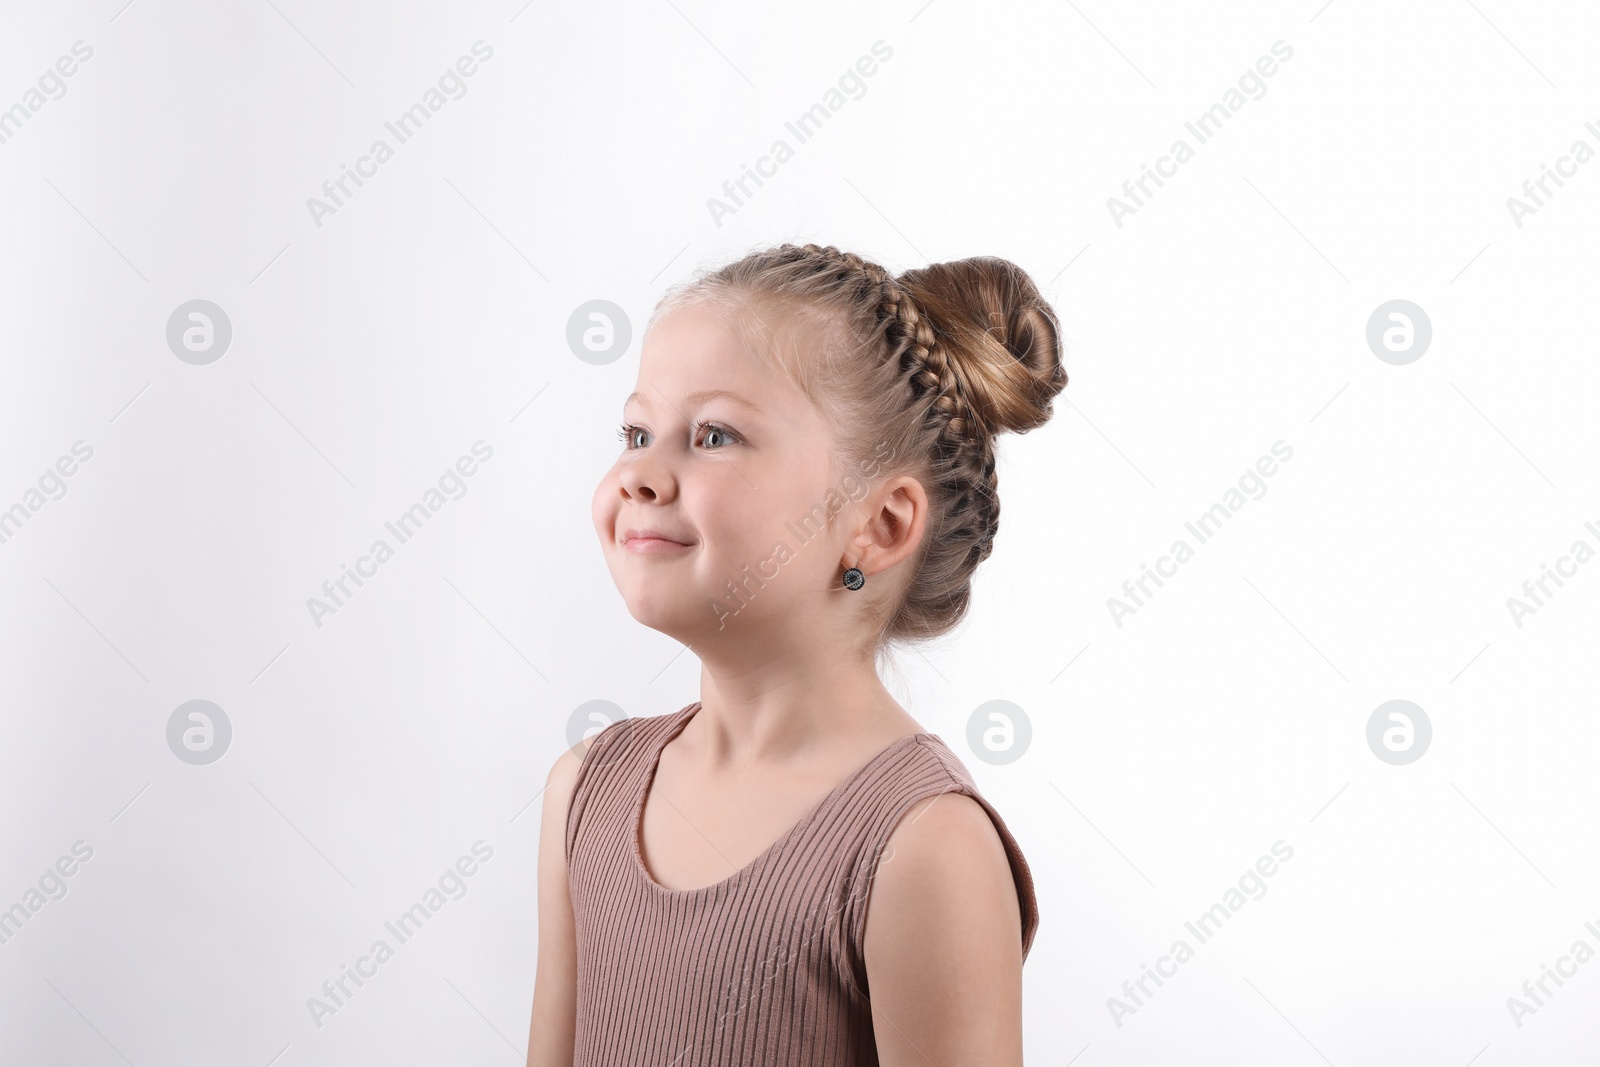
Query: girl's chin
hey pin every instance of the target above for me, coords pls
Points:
(669, 614)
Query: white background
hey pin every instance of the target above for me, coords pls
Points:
(430, 311)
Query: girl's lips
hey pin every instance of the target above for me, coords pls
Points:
(651, 544)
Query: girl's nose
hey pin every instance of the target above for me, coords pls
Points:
(646, 479)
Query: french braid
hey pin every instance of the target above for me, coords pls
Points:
(964, 453)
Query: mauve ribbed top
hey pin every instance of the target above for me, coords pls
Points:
(764, 968)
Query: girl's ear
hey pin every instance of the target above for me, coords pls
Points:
(896, 516)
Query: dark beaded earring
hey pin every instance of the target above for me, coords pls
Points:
(854, 579)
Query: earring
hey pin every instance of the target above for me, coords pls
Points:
(854, 579)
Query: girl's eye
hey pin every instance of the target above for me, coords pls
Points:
(629, 432)
(713, 428)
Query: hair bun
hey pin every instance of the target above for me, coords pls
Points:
(1000, 334)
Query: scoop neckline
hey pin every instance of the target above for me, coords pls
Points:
(649, 778)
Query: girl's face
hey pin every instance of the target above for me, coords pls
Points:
(729, 466)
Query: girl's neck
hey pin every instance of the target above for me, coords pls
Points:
(767, 716)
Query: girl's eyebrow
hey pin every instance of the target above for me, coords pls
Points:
(697, 398)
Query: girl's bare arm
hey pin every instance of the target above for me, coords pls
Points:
(554, 1021)
(943, 942)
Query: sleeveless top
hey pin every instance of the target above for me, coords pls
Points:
(764, 968)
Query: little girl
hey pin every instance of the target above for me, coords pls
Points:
(790, 870)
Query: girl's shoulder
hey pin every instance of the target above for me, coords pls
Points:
(933, 770)
(629, 737)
